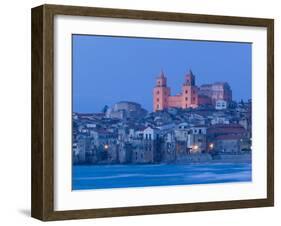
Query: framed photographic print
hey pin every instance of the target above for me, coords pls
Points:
(141, 112)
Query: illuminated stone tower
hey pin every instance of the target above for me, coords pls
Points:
(160, 93)
(189, 93)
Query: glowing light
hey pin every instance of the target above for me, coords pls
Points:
(106, 146)
(211, 145)
(195, 147)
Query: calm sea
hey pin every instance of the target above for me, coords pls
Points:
(121, 176)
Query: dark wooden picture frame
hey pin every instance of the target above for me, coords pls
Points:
(42, 203)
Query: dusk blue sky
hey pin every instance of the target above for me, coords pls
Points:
(107, 70)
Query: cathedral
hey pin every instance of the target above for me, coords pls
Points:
(191, 96)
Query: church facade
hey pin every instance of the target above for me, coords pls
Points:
(191, 96)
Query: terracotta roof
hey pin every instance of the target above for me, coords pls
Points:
(231, 125)
(229, 137)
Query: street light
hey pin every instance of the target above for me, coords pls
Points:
(211, 145)
(106, 146)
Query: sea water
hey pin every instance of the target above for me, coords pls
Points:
(123, 176)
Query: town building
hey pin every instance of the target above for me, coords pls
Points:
(220, 119)
(168, 147)
(216, 91)
(125, 153)
(84, 152)
(221, 104)
(228, 143)
(226, 129)
(194, 137)
(147, 146)
(125, 110)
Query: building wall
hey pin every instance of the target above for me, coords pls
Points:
(125, 153)
(83, 146)
(216, 91)
(174, 101)
(221, 104)
(189, 96)
(204, 100)
(144, 151)
(169, 148)
(197, 143)
(150, 134)
(125, 109)
(227, 145)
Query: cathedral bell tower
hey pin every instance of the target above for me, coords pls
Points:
(160, 93)
(189, 92)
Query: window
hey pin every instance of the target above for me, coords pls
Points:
(157, 92)
(186, 98)
(157, 99)
(186, 91)
(194, 98)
